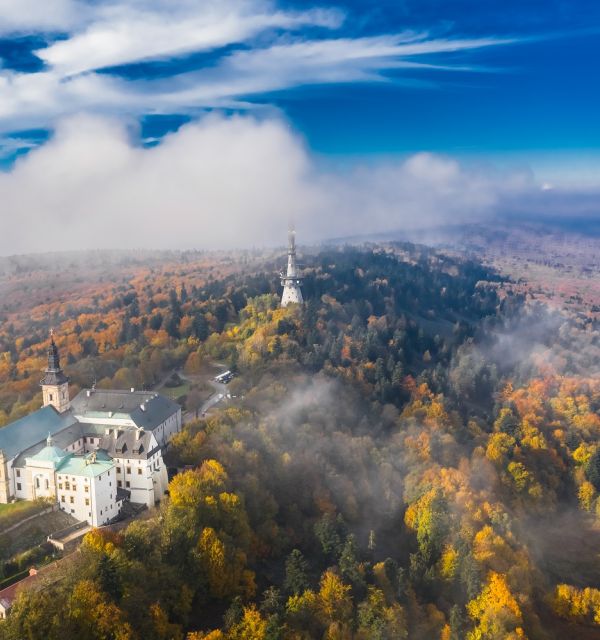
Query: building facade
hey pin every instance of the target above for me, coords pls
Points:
(91, 453)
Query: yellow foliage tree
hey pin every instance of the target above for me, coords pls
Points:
(335, 601)
(252, 626)
(577, 605)
(94, 616)
(448, 563)
(495, 611)
(586, 495)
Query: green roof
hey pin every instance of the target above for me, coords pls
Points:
(51, 454)
(90, 465)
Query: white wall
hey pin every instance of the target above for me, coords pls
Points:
(165, 430)
(145, 478)
(94, 499)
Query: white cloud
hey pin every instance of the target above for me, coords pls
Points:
(278, 55)
(26, 16)
(37, 99)
(126, 33)
(220, 183)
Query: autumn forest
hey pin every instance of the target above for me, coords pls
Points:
(413, 453)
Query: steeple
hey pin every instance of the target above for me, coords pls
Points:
(55, 384)
(291, 281)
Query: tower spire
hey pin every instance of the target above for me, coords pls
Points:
(55, 384)
(291, 280)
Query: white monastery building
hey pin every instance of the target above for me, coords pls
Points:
(89, 454)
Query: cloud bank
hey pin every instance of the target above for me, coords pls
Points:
(227, 182)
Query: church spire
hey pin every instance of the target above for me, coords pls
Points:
(55, 384)
(54, 373)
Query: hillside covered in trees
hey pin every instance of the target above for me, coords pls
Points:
(412, 454)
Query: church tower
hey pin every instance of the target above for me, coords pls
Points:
(55, 384)
(291, 280)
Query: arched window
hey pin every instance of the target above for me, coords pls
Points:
(37, 482)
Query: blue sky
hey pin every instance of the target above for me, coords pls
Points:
(492, 79)
(366, 115)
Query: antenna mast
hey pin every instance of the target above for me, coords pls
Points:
(291, 280)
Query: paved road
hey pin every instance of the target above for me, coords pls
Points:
(220, 392)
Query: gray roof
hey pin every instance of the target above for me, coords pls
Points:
(99, 403)
(34, 428)
(62, 439)
(112, 444)
(123, 443)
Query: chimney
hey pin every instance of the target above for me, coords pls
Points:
(139, 433)
(88, 393)
(143, 407)
(132, 389)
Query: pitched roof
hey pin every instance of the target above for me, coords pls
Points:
(61, 439)
(128, 443)
(50, 454)
(24, 433)
(101, 403)
(8, 594)
(90, 465)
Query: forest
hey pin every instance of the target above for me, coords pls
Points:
(413, 453)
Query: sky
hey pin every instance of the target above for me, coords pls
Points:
(128, 121)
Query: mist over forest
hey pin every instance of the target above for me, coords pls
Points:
(410, 454)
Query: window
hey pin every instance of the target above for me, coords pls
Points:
(18, 486)
(84, 440)
(87, 502)
(60, 485)
(74, 487)
(118, 469)
(86, 489)
(37, 483)
(62, 498)
(47, 485)
(67, 485)
(18, 473)
(119, 483)
(50, 396)
(128, 484)
(128, 470)
(139, 471)
(71, 499)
